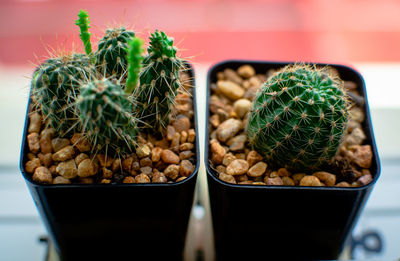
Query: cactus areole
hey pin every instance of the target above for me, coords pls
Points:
(298, 117)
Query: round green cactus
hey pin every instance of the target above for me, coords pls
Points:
(55, 86)
(112, 51)
(159, 82)
(298, 117)
(106, 117)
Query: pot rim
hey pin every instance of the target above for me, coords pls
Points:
(212, 173)
(100, 185)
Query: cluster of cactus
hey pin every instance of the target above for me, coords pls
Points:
(107, 93)
(298, 117)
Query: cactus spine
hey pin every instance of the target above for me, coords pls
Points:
(106, 117)
(135, 59)
(55, 86)
(111, 53)
(159, 82)
(298, 117)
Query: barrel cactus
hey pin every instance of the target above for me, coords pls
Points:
(298, 117)
(159, 82)
(55, 88)
(112, 51)
(106, 117)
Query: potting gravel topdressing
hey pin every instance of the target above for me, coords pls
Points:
(237, 162)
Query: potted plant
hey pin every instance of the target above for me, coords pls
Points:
(109, 151)
(291, 158)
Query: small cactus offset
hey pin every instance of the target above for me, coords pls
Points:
(135, 59)
(106, 117)
(159, 82)
(83, 23)
(298, 117)
(55, 86)
(112, 51)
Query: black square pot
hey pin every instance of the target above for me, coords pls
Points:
(119, 221)
(281, 222)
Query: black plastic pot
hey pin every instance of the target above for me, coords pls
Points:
(280, 222)
(116, 222)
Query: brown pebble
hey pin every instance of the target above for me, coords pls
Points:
(186, 146)
(31, 165)
(246, 182)
(191, 136)
(80, 158)
(67, 169)
(282, 172)
(241, 107)
(297, 177)
(182, 123)
(277, 181)
(232, 75)
(273, 174)
(45, 145)
(145, 162)
(128, 180)
(287, 181)
(127, 164)
(116, 166)
(33, 142)
(214, 120)
(170, 132)
(156, 154)
(61, 180)
(363, 156)
(237, 167)
(310, 181)
(35, 123)
(164, 143)
(53, 170)
(228, 129)
(42, 175)
(217, 153)
(241, 156)
(169, 157)
(30, 156)
(230, 89)
(64, 154)
(186, 168)
(159, 178)
(59, 143)
(257, 170)
(343, 184)
(364, 180)
(87, 168)
(81, 143)
(326, 177)
(237, 143)
(146, 170)
(175, 142)
(143, 150)
(47, 133)
(142, 178)
(180, 179)
(258, 183)
(186, 154)
(246, 71)
(253, 157)
(220, 169)
(105, 161)
(103, 181)
(107, 174)
(172, 171)
(45, 159)
(228, 158)
(227, 178)
(184, 136)
(240, 178)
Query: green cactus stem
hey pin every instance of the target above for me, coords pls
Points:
(159, 82)
(106, 117)
(55, 87)
(298, 117)
(111, 54)
(83, 23)
(135, 59)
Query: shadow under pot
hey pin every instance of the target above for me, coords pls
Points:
(116, 221)
(254, 221)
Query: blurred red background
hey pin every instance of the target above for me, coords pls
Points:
(344, 31)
